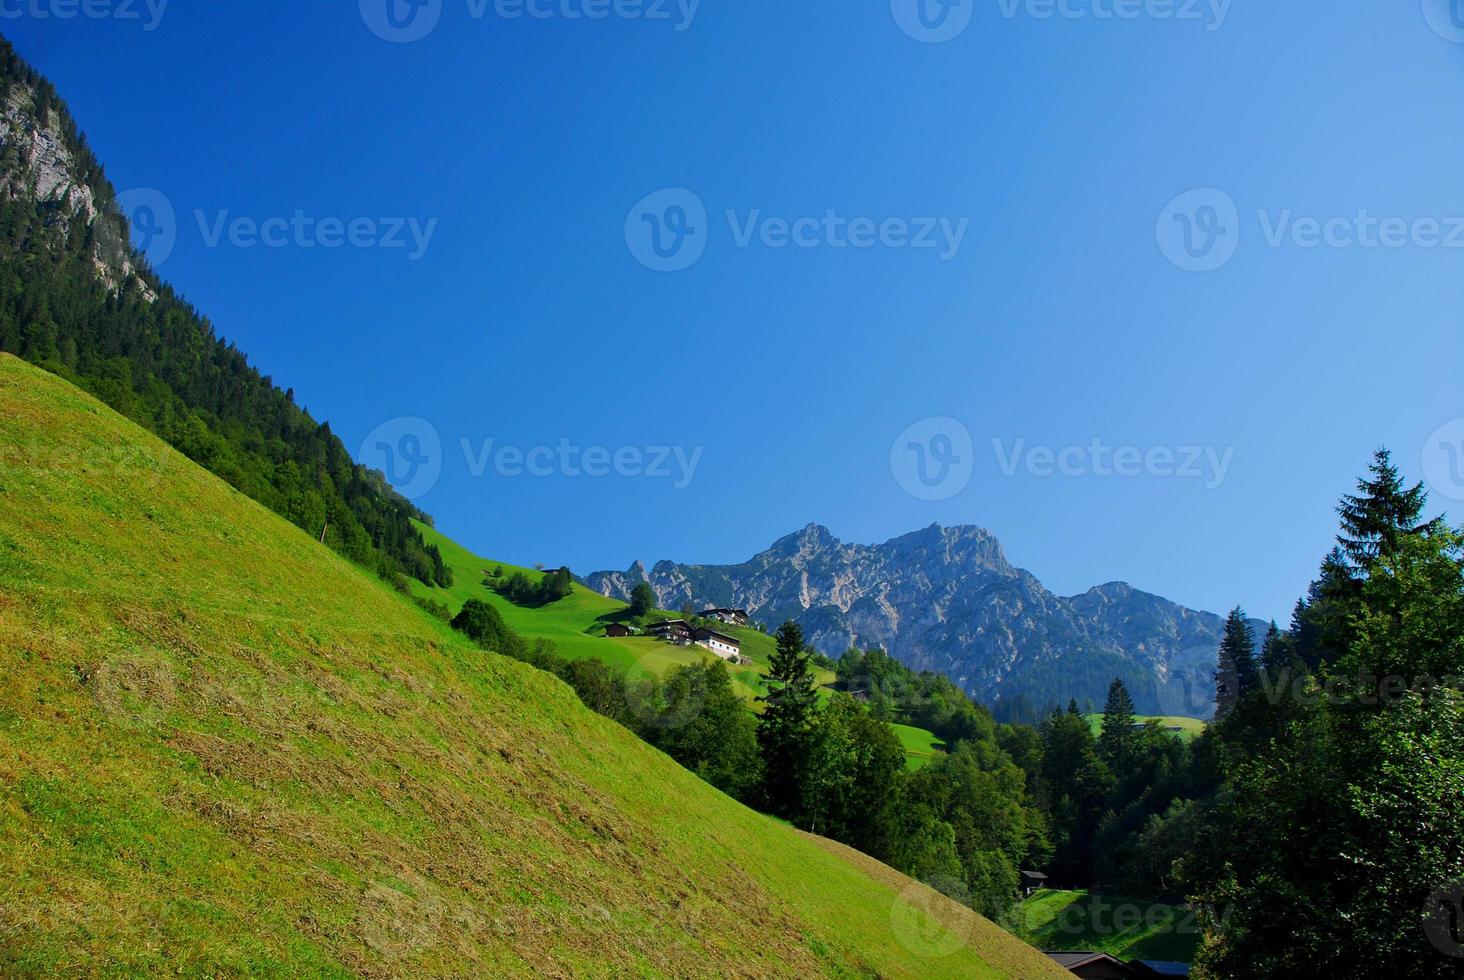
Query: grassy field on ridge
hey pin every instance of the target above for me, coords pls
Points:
(1188, 727)
(224, 750)
(574, 625)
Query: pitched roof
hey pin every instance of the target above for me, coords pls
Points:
(1074, 960)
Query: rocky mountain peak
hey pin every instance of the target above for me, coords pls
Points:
(947, 599)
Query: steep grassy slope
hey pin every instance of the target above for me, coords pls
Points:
(224, 750)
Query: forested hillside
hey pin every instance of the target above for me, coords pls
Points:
(76, 299)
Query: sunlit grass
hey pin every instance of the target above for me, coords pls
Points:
(225, 751)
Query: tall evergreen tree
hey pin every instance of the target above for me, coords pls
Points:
(1276, 658)
(1115, 745)
(1381, 513)
(1238, 675)
(785, 730)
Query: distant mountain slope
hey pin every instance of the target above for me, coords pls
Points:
(947, 600)
(78, 300)
(225, 751)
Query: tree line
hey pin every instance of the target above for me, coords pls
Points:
(1318, 823)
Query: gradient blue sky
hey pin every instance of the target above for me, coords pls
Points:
(1059, 321)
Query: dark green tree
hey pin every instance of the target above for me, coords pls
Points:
(708, 728)
(1073, 789)
(1382, 512)
(785, 729)
(642, 599)
(1238, 674)
(850, 783)
(1116, 743)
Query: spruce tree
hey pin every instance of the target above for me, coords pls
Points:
(1380, 514)
(1276, 657)
(1238, 675)
(1115, 745)
(785, 730)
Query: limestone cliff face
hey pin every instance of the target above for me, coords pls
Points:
(947, 600)
(44, 159)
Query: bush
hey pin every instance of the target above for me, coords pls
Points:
(521, 591)
(439, 609)
(485, 626)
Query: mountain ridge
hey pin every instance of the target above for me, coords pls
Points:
(947, 599)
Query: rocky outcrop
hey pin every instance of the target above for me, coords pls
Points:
(42, 161)
(947, 600)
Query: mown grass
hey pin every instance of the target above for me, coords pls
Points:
(1128, 928)
(921, 747)
(1188, 727)
(224, 751)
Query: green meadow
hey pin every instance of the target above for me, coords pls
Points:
(226, 751)
(576, 626)
(921, 747)
(1127, 928)
(1188, 727)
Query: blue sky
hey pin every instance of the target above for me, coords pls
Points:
(1055, 335)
